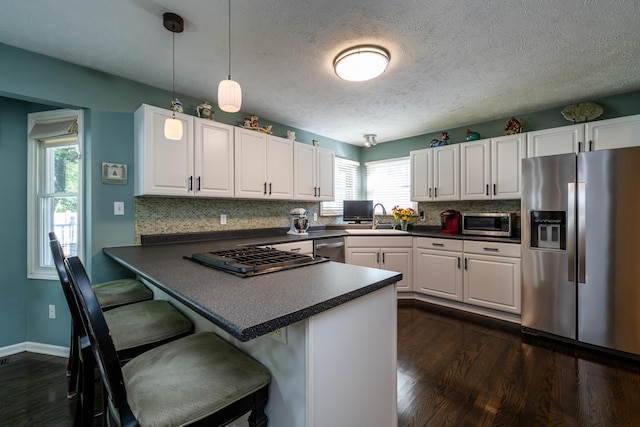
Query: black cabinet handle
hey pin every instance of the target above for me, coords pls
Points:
(269, 188)
(198, 184)
(264, 189)
(429, 192)
(190, 183)
(378, 258)
(435, 191)
(441, 245)
(319, 192)
(494, 189)
(590, 145)
(491, 249)
(487, 189)
(465, 264)
(458, 263)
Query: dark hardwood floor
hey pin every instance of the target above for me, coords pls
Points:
(454, 369)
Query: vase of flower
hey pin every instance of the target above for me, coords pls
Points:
(403, 215)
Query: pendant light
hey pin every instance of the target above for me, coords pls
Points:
(173, 126)
(229, 91)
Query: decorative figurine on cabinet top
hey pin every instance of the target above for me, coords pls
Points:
(513, 127)
(176, 106)
(442, 141)
(582, 111)
(472, 136)
(205, 110)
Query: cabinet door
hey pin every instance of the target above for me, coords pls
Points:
(304, 172)
(214, 160)
(492, 282)
(475, 170)
(250, 164)
(548, 142)
(439, 273)
(507, 153)
(446, 173)
(421, 175)
(279, 168)
(400, 260)
(164, 167)
(325, 163)
(364, 257)
(614, 133)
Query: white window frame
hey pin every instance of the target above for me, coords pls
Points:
(334, 207)
(395, 187)
(39, 260)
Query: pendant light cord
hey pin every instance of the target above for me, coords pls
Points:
(229, 39)
(173, 86)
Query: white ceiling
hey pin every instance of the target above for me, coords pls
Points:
(453, 63)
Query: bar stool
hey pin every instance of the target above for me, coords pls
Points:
(199, 379)
(136, 328)
(110, 294)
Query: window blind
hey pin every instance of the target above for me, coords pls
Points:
(347, 186)
(389, 183)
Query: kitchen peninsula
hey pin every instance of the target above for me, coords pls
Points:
(333, 361)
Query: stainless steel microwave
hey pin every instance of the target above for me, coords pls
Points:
(488, 224)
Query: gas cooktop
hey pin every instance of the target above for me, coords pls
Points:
(254, 260)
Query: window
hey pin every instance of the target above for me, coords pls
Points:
(55, 188)
(347, 186)
(389, 183)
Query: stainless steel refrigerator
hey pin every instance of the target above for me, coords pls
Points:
(581, 247)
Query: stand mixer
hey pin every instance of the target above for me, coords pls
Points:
(299, 222)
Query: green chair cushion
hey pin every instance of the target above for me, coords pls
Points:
(144, 323)
(189, 379)
(121, 292)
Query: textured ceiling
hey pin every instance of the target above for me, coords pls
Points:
(453, 63)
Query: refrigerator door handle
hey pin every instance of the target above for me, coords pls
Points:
(571, 230)
(582, 232)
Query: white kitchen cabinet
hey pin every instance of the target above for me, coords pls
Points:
(313, 172)
(435, 173)
(438, 267)
(199, 164)
(394, 253)
(491, 168)
(621, 132)
(492, 275)
(549, 142)
(263, 166)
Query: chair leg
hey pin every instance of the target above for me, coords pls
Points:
(258, 418)
(86, 389)
(72, 365)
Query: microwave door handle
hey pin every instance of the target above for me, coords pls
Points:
(582, 232)
(571, 230)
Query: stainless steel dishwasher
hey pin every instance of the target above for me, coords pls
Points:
(332, 248)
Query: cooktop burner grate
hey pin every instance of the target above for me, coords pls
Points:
(251, 261)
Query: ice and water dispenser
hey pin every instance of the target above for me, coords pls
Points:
(549, 230)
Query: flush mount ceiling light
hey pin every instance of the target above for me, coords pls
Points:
(173, 126)
(370, 140)
(361, 63)
(229, 91)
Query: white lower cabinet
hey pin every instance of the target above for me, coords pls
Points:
(477, 273)
(438, 267)
(388, 253)
(492, 275)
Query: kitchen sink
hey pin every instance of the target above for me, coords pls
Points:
(376, 231)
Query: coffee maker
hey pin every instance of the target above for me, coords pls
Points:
(450, 222)
(299, 222)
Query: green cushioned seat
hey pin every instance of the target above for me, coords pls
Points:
(145, 323)
(120, 292)
(189, 379)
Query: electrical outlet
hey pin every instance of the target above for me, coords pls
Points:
(279, 335)
(315, 216)
(118, 208)
(223, 219)
(52, 311)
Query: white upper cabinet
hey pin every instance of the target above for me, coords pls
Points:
(214, 166)
(614, 133)
(435, 174)
(491, 168)
(549, 142)
(263, 166)
(199, 164)
(313, 169)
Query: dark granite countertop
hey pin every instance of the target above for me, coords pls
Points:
(249, 307)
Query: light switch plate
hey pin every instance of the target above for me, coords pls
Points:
(223, 219)
(118, 208)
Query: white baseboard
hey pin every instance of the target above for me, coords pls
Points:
(35, 347)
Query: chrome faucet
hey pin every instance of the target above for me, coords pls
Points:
(374, 222)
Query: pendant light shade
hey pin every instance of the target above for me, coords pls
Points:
(229, 96)
(173, 126)
(229, 91)
(361, 63)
